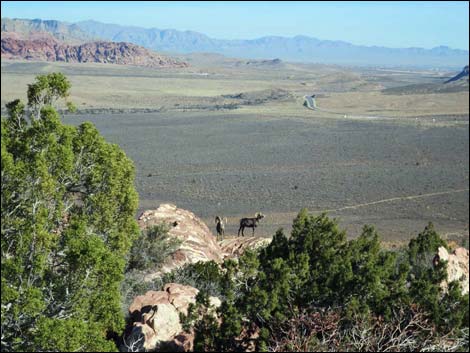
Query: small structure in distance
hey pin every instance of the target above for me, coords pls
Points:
(310, 102)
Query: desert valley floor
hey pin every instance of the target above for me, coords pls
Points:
(236, 140)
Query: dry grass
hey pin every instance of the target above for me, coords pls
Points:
(378, 104)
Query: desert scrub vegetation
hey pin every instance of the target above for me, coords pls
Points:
(205, 276)
(151, 248)
(146, 255)
(316, 291)
(67, 223)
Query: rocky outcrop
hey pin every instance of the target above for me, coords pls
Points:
(156, 318)
(48, 49)
(460, 76)
(261, 63)
(197, 241)
(235, 247)
(261, 97)
(457, 266)
(458, 83)
(155, 315)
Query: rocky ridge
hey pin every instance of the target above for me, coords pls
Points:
(156, 318)
(198, 243)
(460, 76)
(44, 48)
(30, 29)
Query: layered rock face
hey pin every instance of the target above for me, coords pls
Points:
(155, 315)
(198, 242)
(156, 318)
(457, 267)
(48, 49)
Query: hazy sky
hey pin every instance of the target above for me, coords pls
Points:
(392, 24)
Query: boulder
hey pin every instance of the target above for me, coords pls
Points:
(180, 296)
(235, 247)
(156, 320)
(198, 242)
(457, 266)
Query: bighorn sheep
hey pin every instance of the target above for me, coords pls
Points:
(220, 226)
(250, 223)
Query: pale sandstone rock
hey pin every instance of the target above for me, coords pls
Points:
(181, 296)
(457, 266)
(156, 316)
(198, 242)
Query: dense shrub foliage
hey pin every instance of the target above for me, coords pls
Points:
(147, 254)
(67, 222)
(317, 291)
(151, 248)
(205, 276)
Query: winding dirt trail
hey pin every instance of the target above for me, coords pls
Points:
(412, 197)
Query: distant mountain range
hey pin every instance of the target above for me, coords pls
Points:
(59, 41)
(61, 31)
(299, 48)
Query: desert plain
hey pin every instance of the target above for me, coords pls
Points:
(232, 137)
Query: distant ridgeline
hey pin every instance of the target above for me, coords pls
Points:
(298, 48)
(55, 41)
(461, 76)
(457, 83)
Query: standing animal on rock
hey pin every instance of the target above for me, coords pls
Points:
(250, 223)
(220, 226)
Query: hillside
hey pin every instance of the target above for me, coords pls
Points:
(457, 83)
(48, 49)
(462, 76)
(30, 29)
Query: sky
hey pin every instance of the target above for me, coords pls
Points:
(403, 24)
